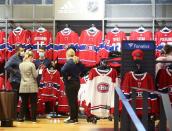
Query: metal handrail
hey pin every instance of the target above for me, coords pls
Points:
(166, 104)
(136, 121)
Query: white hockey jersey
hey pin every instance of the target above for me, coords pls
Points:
(82, 91)
(100, 91)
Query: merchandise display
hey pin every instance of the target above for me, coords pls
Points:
(118, 55)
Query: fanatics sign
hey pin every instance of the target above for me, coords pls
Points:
(143, 45)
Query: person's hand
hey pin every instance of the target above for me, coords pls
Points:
(42, 66)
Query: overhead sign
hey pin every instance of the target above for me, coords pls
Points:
(79, 9)
(143, 45)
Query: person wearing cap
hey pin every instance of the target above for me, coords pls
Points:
(166, 55)
(71, 76)
(12, 68)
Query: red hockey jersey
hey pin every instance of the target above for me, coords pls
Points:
(42, 39)
(163, 38)
(144, 81)
(136, 35)
(2, 47)
(63, 41)
(49, 85)
(112, 42)
(22, 37)
(100, 91)
(88, 47)
(63, 106)
(164, 82)
(4, 86)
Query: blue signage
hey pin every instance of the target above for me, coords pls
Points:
(143, 45)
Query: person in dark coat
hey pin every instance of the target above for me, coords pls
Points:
(12, 68)
(71, 72)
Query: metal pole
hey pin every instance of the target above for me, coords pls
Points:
(6, 43)
(103, 29)
(153, 17)
(103, 21)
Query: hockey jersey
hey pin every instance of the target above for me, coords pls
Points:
(49, 85)
(114, 39)
(142, 36)
(4, 86)
(63, 106)
(88, 47)
(164, 82)
(42, 38)
(2, 83)
(100, 91)
(144, 81)
(162, 38)
(82, 91)
(18, 37)
(63, 41)
(2, 46)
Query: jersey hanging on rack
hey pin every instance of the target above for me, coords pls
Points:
(63, 106)
(82, 91)
(113, 40)
(42, 38)
(63, 41)
(49, 84)
(88, 47)
(100, 91)
(162, 38)
(144, 81)
(164, 82)
(18, 37)
(145, 35)
(2, 47)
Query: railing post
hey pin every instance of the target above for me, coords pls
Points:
(133, 104)
(116, 114)
(145, 109)
(163, 119)
(124, 120)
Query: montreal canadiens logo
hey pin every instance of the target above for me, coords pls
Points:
(103, 87)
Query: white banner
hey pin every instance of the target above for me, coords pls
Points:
(79, 9)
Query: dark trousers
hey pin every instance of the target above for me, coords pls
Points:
(15, 87)
(71, 90)
(26, 98)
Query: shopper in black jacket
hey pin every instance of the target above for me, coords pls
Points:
(12, 67)
(71, 72)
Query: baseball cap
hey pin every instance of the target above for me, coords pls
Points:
(137, 54)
